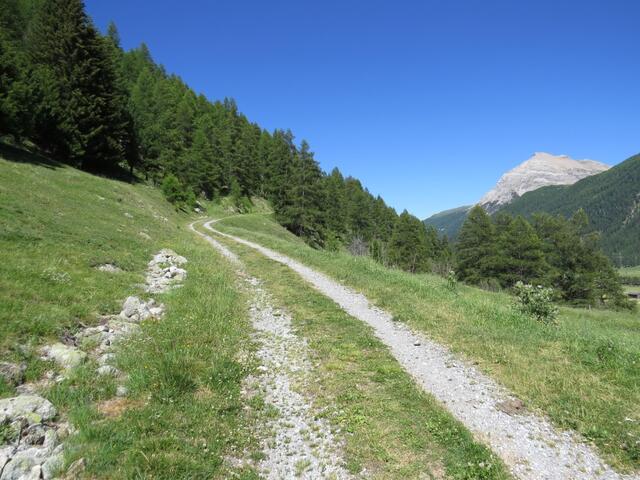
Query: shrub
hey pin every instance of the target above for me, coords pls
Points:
(452, 281)
(536, 302)
(177, 193)
(332, 242)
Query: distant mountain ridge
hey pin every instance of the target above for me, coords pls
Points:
(540, 170)
(611, 200)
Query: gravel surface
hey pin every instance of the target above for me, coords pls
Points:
(528, 444)
(297, 443)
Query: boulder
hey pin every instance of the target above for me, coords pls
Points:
(52, 466)
(12, 373)
(5, 455)
(109, 268)
(64, 355)
(107, 358)
(33, 408)
(24, 465)
(107, 370)
(135, 310)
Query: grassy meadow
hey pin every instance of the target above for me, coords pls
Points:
(582, 373)
(183, 415)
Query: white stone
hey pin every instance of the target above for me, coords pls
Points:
(107, 370)
(107, 359)
(13, 373)
(109, 268)
(52, 466)
(65, 356)
(33, 408)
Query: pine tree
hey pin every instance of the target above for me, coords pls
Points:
(16, 96)
(408, 247)
(80, 116)
(476, 248)
(299, 207)
(520, 255)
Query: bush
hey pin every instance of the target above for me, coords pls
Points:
(332, 242)
(452, 281)
(536, 302)
(177, 193)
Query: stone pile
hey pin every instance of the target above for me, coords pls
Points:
(164, 271)
(33, 447)
(30, 437)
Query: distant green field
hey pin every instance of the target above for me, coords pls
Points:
(583, 373)
(630, 271)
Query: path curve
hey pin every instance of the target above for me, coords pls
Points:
(528, 444)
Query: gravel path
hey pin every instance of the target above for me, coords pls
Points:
(528, 444)
(297, 443)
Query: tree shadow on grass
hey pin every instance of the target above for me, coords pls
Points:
(18, 155)
(22, 155)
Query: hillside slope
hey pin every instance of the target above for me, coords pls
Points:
(448, 222)
(611, 200)
(57, 225)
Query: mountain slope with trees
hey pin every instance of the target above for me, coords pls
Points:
(79, 97)
(610, 199)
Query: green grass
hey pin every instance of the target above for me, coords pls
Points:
(630, 272)
(584, 373)
(184, 413)
(392, 429)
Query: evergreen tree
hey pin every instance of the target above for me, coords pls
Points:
(408, 247)
(16, 97)
(520, 255)
(476, 248)
(80, 115)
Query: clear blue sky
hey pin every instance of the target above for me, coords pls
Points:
(427, 102)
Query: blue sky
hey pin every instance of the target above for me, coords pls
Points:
(427, 102)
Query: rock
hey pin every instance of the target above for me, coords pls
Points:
(24, 465)
(135, 310)
(5, 455)
(12, 373)
(109, 268)
(33, 408)
(107, 370)
(416, 343)
(34, 435)
(511, 406)
(65, 356)
(107, 359)
(128, 215)
(122, 391)
(131, 307)
(52, 466)
(144, 235)
(122, 329)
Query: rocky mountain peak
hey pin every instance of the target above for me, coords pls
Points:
(540, 170)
